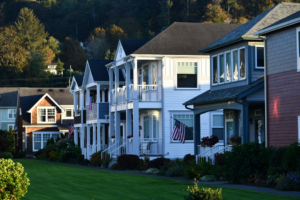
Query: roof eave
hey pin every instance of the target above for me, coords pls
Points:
(210, 102)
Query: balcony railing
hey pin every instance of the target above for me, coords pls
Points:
(91, 114)
(77, 119)
(151, 146)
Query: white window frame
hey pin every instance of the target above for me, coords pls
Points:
(8, 125)
(219, 79)
(46, 107)
(42, 133)
(14, 114)
(298, 53)
(212, 64)
(192, 88)
(258, 67)
(72, 110)
(225, 61)
(239, 64)
(172, 125)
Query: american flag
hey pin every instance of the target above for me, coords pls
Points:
(179, 130)
(71, 130)
(91, 103)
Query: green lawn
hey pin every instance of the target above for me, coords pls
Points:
(56, 181)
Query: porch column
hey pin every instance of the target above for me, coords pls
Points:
(98, 93)
(75, 102)
(196, 133)
(116, 83)
(136, 141)
(128, 128)
(103, 136)
(117, 130)
(88, 140)
(82, 138)
(76, 136)
(87, 96)
(111, 127)
(111, 85)
(82, 99)
(245, 121)
(98, 136)
(94, 137)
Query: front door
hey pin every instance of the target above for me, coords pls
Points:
(228, 125)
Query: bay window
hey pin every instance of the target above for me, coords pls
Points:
(235, 65)
(40, 139)
(242, 64)
(215, 69)
(46, 115)
(188, 120)
(228, 67)
(187, 75)
(221, 68)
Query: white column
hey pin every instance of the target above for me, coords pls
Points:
(117, 129)
(87, 102)
(103, 136)
(82, 138)
(75, 102)
(82, 99)
(111, 126)
(94, 138)
(111, 85)
(136, 141)
(88, 140)
(76, 136)
(98, 93)
(98, 136)
(116, 83)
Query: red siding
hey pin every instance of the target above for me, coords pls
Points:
(283, 107)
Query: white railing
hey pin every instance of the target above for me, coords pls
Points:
(210, 154)
(149, 93)
(91, 114)
(150, 146)
(113, 100)
(116, 149)
(121, 95)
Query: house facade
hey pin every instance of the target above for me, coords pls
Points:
(52, 69)
(237, 63)
(42, 113)
(282, 76)
(8, 107)
(160, 74)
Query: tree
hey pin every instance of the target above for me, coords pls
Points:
(215, 14)
(114, 33)
(73, 54)
(59, 67)
(7, 140)
(231, 4)
(164, 17)
(97, 44)
(53, 43)
(110, 55)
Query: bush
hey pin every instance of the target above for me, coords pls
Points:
(142, 165)
(152, 171)
(220, 159)
(128, 161)
(80, 158)
(114, 166)
(290, 182)
(204, 193)
(208, 178)
(7, 155)
(192, 171)
(291, 157)
(161, 172)
(176, 170)
(157, 163)
(188, 158)
(13, 180)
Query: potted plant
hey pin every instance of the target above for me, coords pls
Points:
(213, 139)
(203, 141)
(235, 140)
(96, 160)
(106, 162)
(130, 137)
(113, 138)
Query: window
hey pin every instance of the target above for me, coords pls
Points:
(146, 126)
(215, 70)
(242, 64)
(187, 75)
(222, 68)
(155, 126)
(217, 125)
(228, 67)
(260, 59)
(154, 79)
(235, 65)
(69, 112)
(40, 139)
(188, 120)
(46, 115)
(12, 113)
(10, 126)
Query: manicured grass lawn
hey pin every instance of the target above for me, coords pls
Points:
(57, 181)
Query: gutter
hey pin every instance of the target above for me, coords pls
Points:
(186, 106)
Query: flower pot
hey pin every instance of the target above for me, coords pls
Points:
(113, 140)
(130, 140)
(105, 165)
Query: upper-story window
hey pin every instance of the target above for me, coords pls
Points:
(259, 57)
(69, 112)
(229, 66)
(12, 113)
(46, 115)
(187, 74)
(148, 76)
(298, 49)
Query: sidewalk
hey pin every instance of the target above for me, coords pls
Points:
(216, 183)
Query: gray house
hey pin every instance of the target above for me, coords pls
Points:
(237, 83)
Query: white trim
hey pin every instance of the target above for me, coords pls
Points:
(42, 133)
(15, 113)
(212, 67)
(46, 95)
(233, 65)
(46, 107)
(10, 125)
(46, 126)
(298, 53)
(258, 67)
(225, 61)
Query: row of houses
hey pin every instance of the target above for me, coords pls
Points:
(218, 79)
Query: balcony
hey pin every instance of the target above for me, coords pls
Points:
(91, 114)
(147, 147)
(77, 119)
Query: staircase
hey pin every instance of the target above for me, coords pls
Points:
(116, 149)
(209, 155)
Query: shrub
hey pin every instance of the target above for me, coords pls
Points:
(208, 178)
(114, 166)
(290, 182)
(7, 155)
(157, 163)
(176, 170)
(204, 193)
(80, 158)
(161, 172)
(220, 159)
(188, 158)
(152, 171)
(142, 165)
(128, 161)
(192, 171)
(13, 180)
(291, 157)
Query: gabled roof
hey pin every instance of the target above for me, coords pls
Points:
(43, 97)
(8, 97)
(79, 79)
(131, 45)
(245, 31)
(182, 38)
(98, 69)
(229, 94)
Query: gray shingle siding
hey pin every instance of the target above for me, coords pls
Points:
(282, 51)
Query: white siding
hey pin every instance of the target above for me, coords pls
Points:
(90, 78)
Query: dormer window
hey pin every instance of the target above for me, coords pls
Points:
(259, 57)
(46, 115)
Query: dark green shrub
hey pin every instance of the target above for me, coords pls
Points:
(290, 182)
(167, 165)
(291, 157)
(220, 159)
(86, 161)
(162, 172)
(192, 171)
(188, 158)
(13, 180)
(80, 158)
(157, 163)
(7, 155)
(114, 166)
(128, 161)
(142, 165)
(204, 193)
(176, 170)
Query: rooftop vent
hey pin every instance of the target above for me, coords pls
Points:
(39, 90)
(61, 90)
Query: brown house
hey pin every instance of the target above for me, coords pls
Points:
(42, 114)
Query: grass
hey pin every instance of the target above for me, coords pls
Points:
(57, 181)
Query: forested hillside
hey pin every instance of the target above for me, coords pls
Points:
(35, 33)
